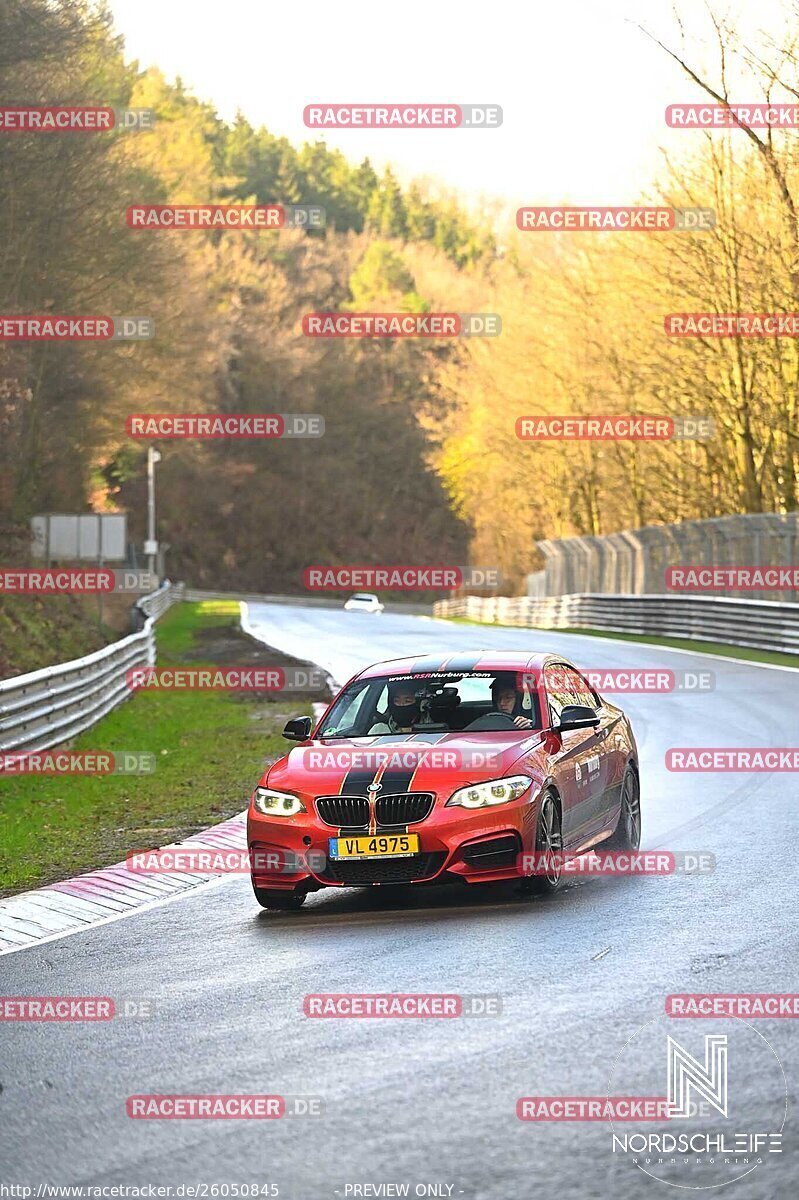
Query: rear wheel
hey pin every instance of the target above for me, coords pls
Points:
(274, 898)
(549, 845)
(627, 835)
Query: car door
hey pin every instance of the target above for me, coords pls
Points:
(613, 748)
(578, 763)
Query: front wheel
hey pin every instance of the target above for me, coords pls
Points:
(627, 835)
(277, 899)
(549, 845)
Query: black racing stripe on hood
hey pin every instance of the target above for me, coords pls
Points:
(357, 780)
(397, 779)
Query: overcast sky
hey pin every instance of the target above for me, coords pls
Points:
(583, 90)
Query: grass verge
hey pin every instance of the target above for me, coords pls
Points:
(38, 630)
(210, 750)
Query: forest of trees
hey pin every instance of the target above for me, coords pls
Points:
(420, 462)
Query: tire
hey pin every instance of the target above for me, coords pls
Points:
(627, 835)
(276, 899)
(548, 837)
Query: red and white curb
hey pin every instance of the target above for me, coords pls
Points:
(101, 896)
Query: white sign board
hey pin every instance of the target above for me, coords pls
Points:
(71, 537)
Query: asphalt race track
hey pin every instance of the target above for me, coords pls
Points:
(414, 1101)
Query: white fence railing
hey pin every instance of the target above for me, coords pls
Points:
(760, 624)
(49, 707)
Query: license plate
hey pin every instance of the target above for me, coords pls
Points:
(389, 845)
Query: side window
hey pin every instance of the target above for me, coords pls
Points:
(593, 699)
(379, 705)
(556, 678)
(566, 686)
(345, 720)
(585, 692)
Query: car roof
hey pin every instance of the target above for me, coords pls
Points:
(464, 660)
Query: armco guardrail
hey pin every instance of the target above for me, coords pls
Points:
(156, 603)
(761, 624)
(49, 707)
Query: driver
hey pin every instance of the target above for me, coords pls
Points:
(403, 709)
(508, 701)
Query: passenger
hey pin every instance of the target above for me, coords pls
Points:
(508, 701)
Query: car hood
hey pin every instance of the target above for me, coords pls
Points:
(420, 762)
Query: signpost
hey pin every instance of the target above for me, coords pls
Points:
(78, 537)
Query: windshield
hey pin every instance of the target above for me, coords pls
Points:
(441, 702)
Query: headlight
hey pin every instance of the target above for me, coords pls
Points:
(277, 804)
(496, 791)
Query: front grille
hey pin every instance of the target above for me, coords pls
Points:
(362, 872)
(492, 853)
(345, 812)
(352, 812)
(404, 809)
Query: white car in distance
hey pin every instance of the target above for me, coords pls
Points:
(363, 602)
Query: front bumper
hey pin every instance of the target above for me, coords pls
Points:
(475, 846)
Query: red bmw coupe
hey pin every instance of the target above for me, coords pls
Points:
(438, 768)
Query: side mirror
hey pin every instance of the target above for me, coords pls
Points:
(577, 716)
(298, 729)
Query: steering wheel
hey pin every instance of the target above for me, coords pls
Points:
(492, 721)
